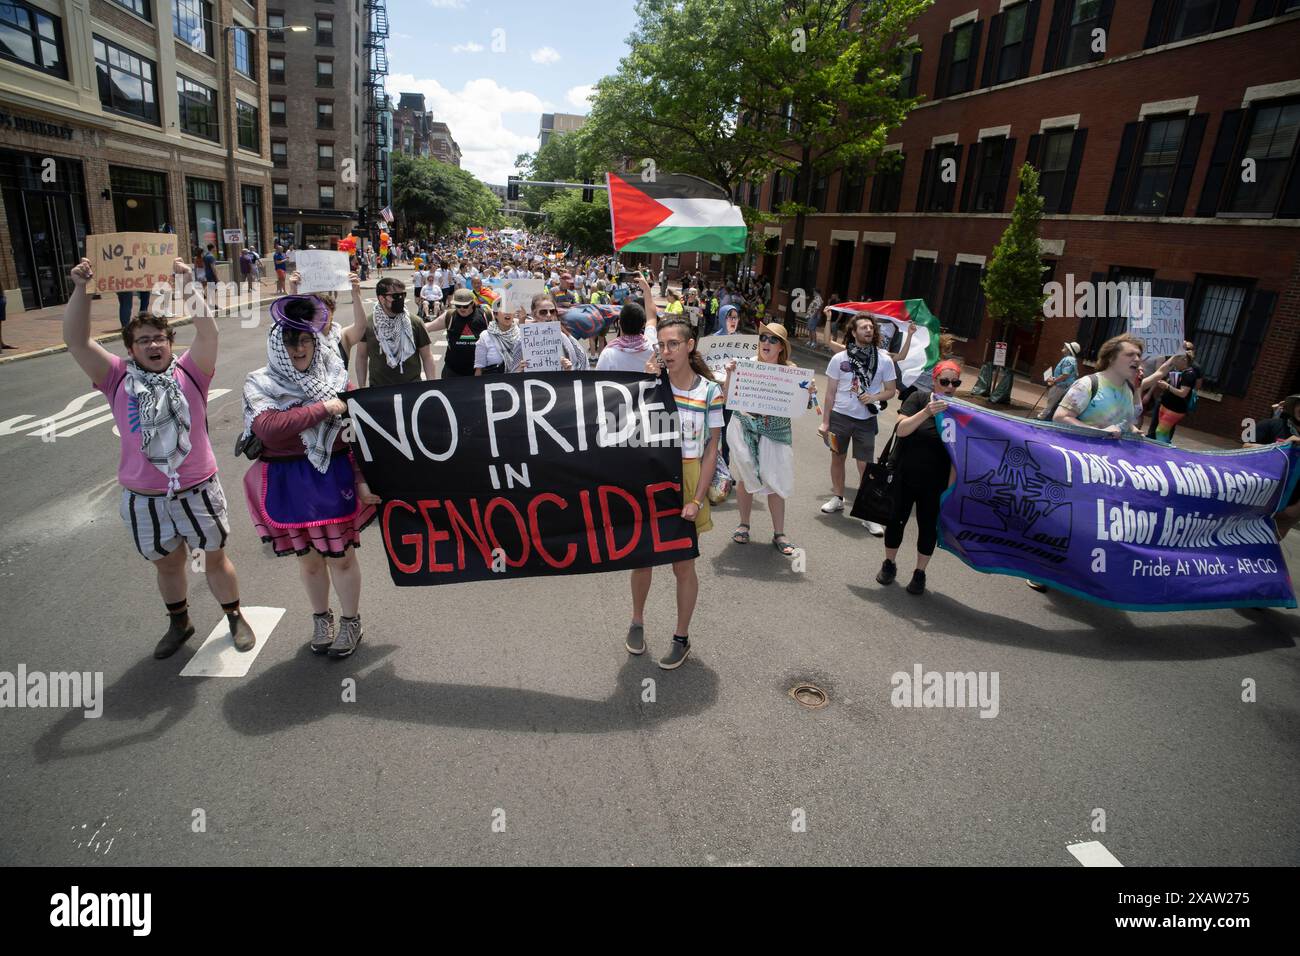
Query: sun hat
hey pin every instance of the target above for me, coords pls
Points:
(305, 313)
(462, 297)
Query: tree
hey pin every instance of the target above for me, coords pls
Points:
(1013, 284)
(584, 225)
(433, 199)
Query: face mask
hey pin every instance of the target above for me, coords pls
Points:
(398, 302)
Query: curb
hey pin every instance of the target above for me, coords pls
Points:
(106, 337)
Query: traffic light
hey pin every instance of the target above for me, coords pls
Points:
(512, 189)
(363, 221)
(588, 195)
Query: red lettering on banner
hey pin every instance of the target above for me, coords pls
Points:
(655, 514)
(476, 533)
(569, 554)
(615, 552)
(589, 522)
(407, 539)
(519, 520)
(434, 536)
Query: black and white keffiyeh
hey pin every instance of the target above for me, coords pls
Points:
(280, 386)
(164, 414)
(395, 335)
(864, 359)
(509, 343)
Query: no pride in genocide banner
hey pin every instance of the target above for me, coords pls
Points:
(527, 474)
(1129, 523)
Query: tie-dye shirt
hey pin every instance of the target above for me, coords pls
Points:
(1110, 406)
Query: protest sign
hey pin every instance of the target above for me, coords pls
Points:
(543, 345)
(518, 294)
(322, 270)
(1160, 327)
(131, 261)
(765, 388)
(1129, 523)
(717, 350)
(523, 475)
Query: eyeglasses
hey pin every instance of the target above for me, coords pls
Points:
(770, 338)
(152, 340)
(672, 345)
(949, 382)
(546, 311)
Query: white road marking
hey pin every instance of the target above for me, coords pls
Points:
(107, 417)
(14, 425)
(1093, 853)
(218, 657)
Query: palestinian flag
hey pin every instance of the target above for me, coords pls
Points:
(924, 349)
(676, 213)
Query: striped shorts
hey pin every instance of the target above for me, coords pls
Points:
(158, 524)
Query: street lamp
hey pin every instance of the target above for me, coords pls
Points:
(232, 132)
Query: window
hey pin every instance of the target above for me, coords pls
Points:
(1054, 176)
(1083, 18)
(1218, 307)
(324, 155)
(246, 120)
(1271, 142)
(279, 153)
(278, 117)
(139, 199)
(1016, 44)
(324, 114)
(817, 198)
(324, 31)
(192, 23)
(957, 60)
(326, 196)
(1154, 175)
(279, 194)
(1228, 320)
(853, 182)
(1111, 317)
(251, 197)
(1183, 19)
(205, 212)
(918, 279)
(990, 186)
(939, 174)
(778, 191)
(244, 58)
(32, 37)
(911, 68)
(139, 7)
(887, 183)
(275, 26)
(963, 300)
(275, 68)
(126, 82)
(787, 260)
(198, 109)
(324, 72)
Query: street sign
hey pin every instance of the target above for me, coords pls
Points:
(1000, 354)
(232, 235)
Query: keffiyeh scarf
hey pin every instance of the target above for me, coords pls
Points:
(280, 386)
(164, 419)
(508, 343)
(395, 335)
(864, 360)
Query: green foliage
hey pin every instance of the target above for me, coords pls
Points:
(1013, 284)
(433, 199)
(584, 225)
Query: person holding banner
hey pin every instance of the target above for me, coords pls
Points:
(464, 322)
(392, 340)
(924, 471)
(1107, 400)
(500, 346)
(545, 309)
(304, 494)
(762, 449)
(699, 412)
(172, 501)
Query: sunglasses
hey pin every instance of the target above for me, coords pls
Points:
(465, 305)
(949, 382)
(546, 311)
(776, 339)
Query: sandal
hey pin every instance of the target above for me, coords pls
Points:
(786, 549)
(741, 537)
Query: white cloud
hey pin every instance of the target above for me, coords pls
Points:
(579, 96)
(447, 4)
(474, 113)
(545, 55)
(470, 47)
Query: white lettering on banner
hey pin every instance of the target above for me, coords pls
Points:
(764, 388)
(717, 350)
(321, 270)
(543, 346)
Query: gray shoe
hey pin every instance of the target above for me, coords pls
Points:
(323, 634)
(635, 642)
(676, 655)
(349, 637)
(241, 634)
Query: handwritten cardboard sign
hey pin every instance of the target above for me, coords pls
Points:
(518, 294)
(322, 270)
(1162, 329)
(543, 345)
(131, 261)
(764, 388)
(717, 350)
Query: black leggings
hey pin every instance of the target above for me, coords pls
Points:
(924, 494)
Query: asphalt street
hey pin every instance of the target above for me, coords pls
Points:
(503, 722)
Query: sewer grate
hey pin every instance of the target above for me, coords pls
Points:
(809, 695)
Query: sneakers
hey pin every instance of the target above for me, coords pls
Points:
(888, 571)
(242, 634)
(1040, 588)
(172, 640)
(836, 503)
(323, 633)
(635, 642)
(349, 636)
(876, 530)
(676, 655)
(917, 584)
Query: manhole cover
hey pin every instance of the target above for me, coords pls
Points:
(809, 695)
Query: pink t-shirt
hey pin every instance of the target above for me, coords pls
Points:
(134, 470)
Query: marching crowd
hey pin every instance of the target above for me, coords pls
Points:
(308, 499)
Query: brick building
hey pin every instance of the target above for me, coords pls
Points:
(1141, 146)
(417, 133)
(116, 115)
(317, 117)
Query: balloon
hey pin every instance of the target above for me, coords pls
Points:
(587, 321)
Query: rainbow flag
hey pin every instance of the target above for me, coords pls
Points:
(475, 235)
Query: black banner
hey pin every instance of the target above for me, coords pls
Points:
(517, 475)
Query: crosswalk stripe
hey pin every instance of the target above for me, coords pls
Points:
(218, 657)
(1092, 853)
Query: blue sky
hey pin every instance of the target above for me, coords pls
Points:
(493, 98)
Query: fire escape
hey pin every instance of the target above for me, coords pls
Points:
(376, 105)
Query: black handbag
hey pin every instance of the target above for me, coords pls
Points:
(877, 496)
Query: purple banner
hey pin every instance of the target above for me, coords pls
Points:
(1125, 522)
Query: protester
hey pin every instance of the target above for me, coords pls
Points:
(348, 338)
(812, 318)
(632, 349)
(699, 409)
(1175, 398)
(395, 346)
(464, 322)
(209, 267)
(923, 472)
(857, 378)
(281, 262)
(762, 449)
(417, 284)
(1283, 426)
(499, 348)
(545, 309)
(172, 499)
(246, 260)
(304, 494)
(728, 320)
(1060, 379)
